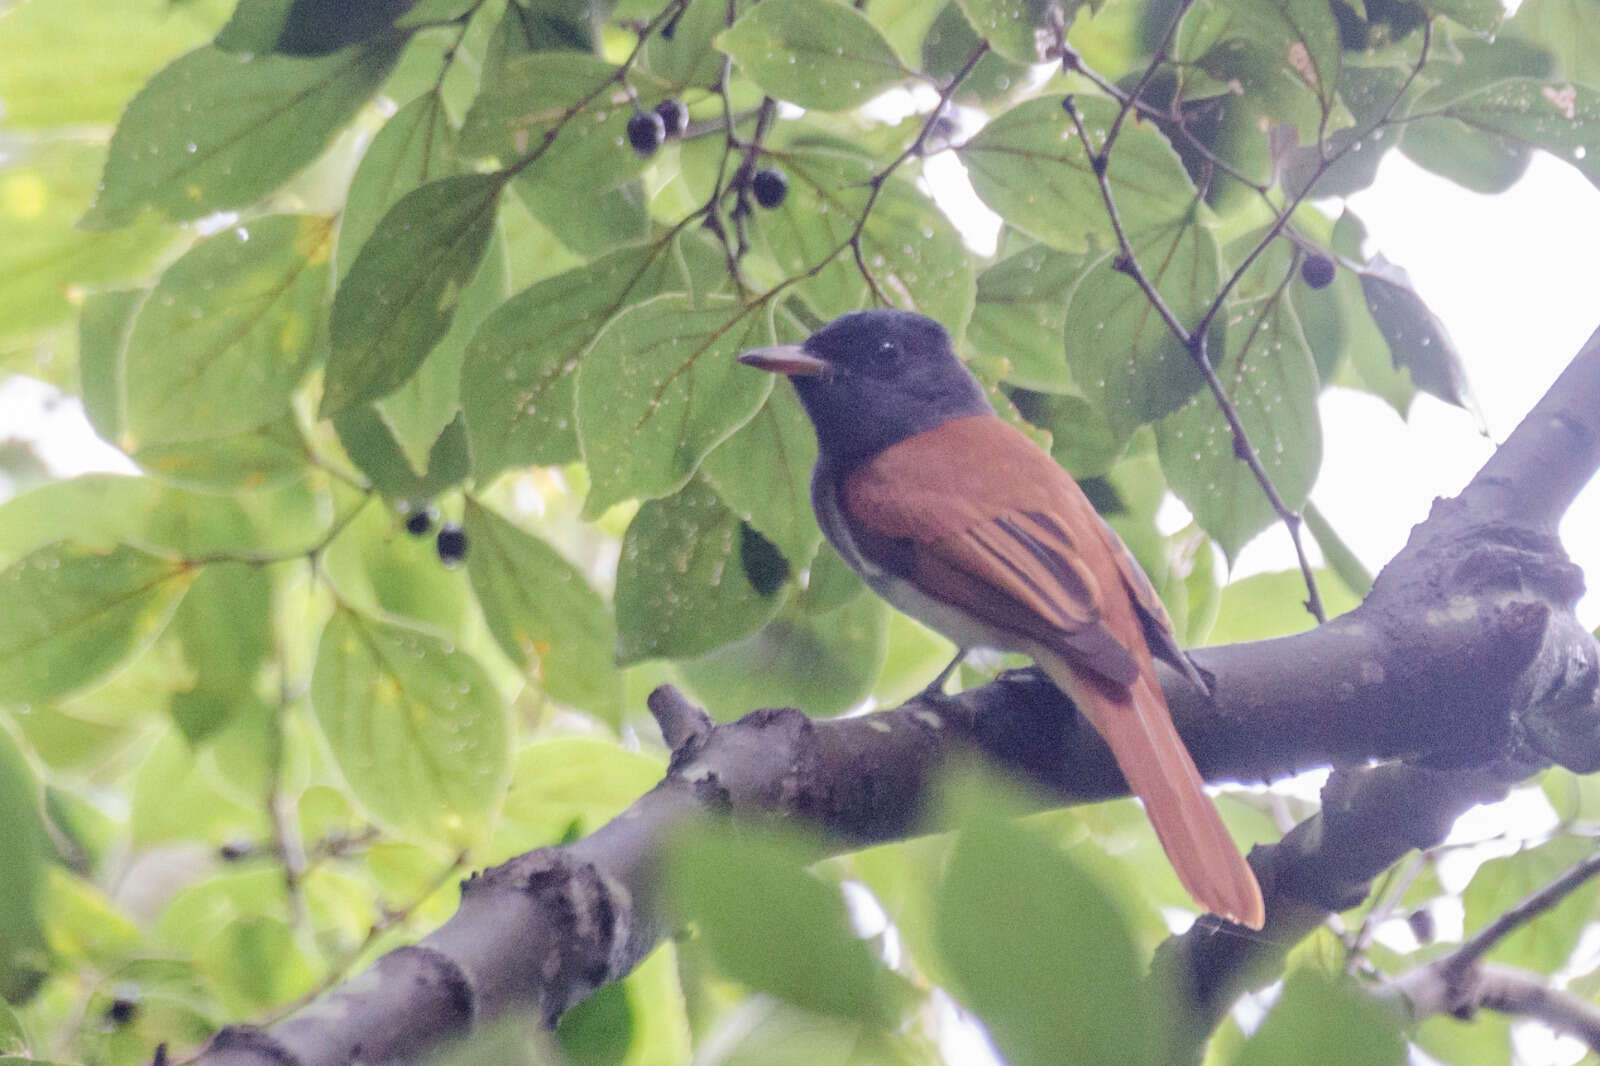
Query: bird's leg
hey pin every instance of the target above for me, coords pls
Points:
(934, 690)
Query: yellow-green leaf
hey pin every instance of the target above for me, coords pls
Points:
(73, 614)
(414, 724)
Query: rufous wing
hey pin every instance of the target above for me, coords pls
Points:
(1012, 541)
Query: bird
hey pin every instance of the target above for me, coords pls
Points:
(958, 519)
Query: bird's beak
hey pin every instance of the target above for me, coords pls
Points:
(790, 360)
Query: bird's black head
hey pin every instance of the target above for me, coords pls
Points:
(873, 378)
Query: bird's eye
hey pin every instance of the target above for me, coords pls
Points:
(888, 350)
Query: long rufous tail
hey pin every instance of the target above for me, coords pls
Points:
(1138, 727)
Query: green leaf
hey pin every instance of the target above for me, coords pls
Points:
(772, 1032)
(224, 626)
(1474, 160)
(372, 447)
(1021, 312)
(543, 613)
(1325, 325)
(1019, 31)
(1562, 119)
(532, 97)
(255, 26)
(264, 457)
(1266, 89)
(380, 571)
(764, 473)
(683, 582)
(420, 411)
(611, 219)
(402, 291)
(1270, 379)
(659, 388)
(227, 332)
(414, 724)
(310, 27)
(1302, 37)
(1566, 29)
(234, 925)
(1053, 984)
(816, 53)
(599, 1030)
(214, 130)
(823, 662)
(689, 57)
(1307, 172)
(947, 46)
(1080, 438)
(1481, 16)
(99, 510)
(1030, 166)
(1417, 339)
(569, 786)
(43, 259)
(103, 327)
(1263, 606)
(830, 183)
(24, 956)
(1319, 1021)
(125, 42)
(414, 147)
(521, 365)
(1543, 944)
(1483, 1041)
(76, 613)
(773, 927)
(210, 793)
(316, 27)
(904, 24)
(1123, 356)
(1356, 577)
(13, 1041)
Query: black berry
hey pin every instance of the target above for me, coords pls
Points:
(1421, 922)
(419, 520)
(234, 850)
(674, 118)
(645, 130)
(770, 187)
(1316, 271)
(452, 544)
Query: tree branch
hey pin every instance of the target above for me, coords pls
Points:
(1464, 665)
(1461, 982)
(1426, 992)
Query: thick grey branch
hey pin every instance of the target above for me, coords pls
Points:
(1464, 668)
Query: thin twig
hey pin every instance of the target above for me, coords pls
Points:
(1195, 341)
(287, 846)
(1282, 216)
(739, 185)
(618, 77)
(1072, 62)
(876, 182)
(1430, 990)
(1523, 913)
(310, 551)
(1127, 262)
(875, 185)
(388, 918)
(1396, 883)
(1156, 60)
